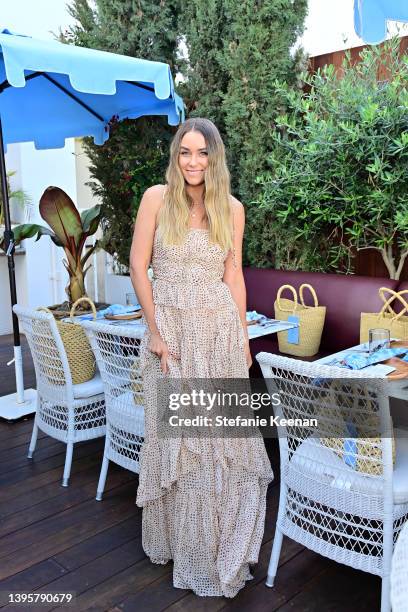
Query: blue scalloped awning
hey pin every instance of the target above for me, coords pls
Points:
(371, 16)
(50, 91)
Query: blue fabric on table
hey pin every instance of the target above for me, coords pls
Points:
(113, 309)
(252, 315)
(358, 361)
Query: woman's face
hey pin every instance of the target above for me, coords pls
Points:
(193, 158)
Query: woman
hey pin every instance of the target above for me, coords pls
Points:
(203, 499)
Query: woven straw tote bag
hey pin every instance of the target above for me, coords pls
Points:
(311, 321)
(363, 452)
(80, 356)
(387, 318)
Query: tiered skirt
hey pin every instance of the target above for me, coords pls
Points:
(203, 498)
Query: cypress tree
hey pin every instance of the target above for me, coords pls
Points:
(237, 49)
(136, 154)
(204, 26)
(257, 53)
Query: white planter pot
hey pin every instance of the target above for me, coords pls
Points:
(116, 288)
(118, 285)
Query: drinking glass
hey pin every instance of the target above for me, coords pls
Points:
(131, 299)
(378, 339)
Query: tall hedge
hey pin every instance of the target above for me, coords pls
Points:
(236, 49)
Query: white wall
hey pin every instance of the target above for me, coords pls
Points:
(329, 27)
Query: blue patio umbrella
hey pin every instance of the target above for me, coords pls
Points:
(50, 91)
(370, 17)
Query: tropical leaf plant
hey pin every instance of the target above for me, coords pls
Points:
(67, 229)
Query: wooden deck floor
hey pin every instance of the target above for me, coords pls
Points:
(55, 539)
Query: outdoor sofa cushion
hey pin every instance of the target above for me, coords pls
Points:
(89, 388)
(345, 298)
(310, 459)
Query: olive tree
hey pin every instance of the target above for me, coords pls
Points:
(340, 167)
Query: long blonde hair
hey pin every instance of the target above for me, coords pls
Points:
(173, 221)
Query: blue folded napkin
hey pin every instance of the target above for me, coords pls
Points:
(252, 315)
(118, 309)
(113, 309)
(358, 361)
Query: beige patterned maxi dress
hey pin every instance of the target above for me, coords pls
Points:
(203, 499)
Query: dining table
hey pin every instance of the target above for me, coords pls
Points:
(256, 330)
(269, 326)
(398, 385)
(397, 381)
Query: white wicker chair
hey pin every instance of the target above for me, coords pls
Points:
(117, 354)
(67, 412)
(347, 502)
(399, 573)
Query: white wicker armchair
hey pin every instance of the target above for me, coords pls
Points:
(339, 496)
(399, 573)
(117, 354)
(67, 412)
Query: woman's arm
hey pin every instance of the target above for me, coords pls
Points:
(233, 275)
(140, 257)
(141, 252)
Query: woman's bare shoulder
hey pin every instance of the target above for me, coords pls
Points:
(153, 199)
(236, 204)
(237, 208)
(155, 192)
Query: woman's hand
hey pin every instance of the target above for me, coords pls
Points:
(248, 353)
(158, 346)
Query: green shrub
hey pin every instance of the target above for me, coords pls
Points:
(237, 49)
(339, 178)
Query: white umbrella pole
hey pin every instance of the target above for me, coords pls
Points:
(17, 404)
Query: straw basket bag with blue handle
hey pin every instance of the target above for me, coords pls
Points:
(304, 340)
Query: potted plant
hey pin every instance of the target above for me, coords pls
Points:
(67, 229)
(19, 196)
